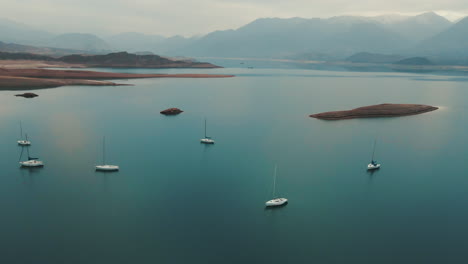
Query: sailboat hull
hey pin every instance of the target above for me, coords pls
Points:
(276, 202)
(24, 142)
(107, 168)
(373, 167)
(32, 163)
(207, 141)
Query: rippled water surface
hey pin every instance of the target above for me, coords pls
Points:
(177, 201)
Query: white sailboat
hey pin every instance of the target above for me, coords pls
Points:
(23, 142)
(373, 165)
(31, 162)
(206, 139)
(276, 201)
(105, 167)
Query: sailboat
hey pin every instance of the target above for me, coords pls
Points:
(206, 139)
(23, 142)
(276, 201)
(31, 162)
(373, 165)
(105, 167)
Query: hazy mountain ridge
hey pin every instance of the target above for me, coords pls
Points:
(18, 48)
(79, 41)
(18, 33)
(420, 27)
(274, 37)
(15, 32)
(452, 42)
(366, 57)
(134, 41)
(415, 61)
(335, 38)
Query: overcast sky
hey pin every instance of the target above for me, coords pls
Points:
(192, 17)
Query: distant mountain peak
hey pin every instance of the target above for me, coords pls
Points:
(350, 19)
(429, 18)
(267, 21)
(451, 42)
(429, 14)
(390, 18)
(463, 21)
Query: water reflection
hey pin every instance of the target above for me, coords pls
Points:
(371, 175)
(276, 208)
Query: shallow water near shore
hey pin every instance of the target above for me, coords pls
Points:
(177, 201)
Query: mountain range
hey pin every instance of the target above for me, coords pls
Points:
(18, 48)
(17, 33)
(337, 37)
(452, 42)
(333, 38)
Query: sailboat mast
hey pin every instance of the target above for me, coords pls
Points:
(373, 151)
(21, 154)
(205, 127)
(274, 181)
(104, 150)
(21, 130)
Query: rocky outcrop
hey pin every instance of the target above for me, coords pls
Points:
(381, 110)
(27, 95)
(171, 111)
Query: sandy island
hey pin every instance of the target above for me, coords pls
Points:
(381, 110)
(22, 78)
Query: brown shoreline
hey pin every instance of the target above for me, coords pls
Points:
(372, 111)
(25, 79)
(25, 83)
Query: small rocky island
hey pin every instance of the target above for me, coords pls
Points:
(171, 111)
(27, 95)
(381, 110)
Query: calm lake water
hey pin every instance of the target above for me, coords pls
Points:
(177, 201)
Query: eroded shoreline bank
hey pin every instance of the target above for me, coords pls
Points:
(28, 79)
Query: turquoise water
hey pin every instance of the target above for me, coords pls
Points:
(177, 201)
